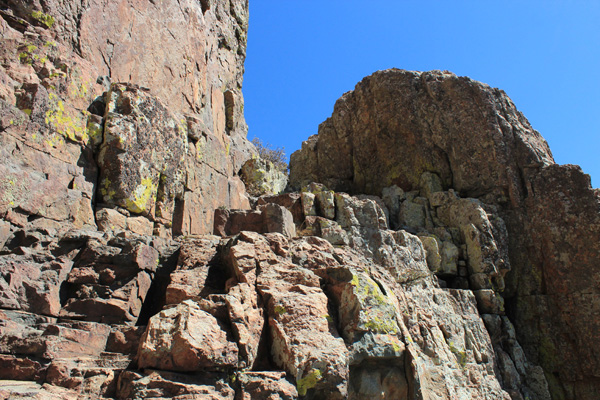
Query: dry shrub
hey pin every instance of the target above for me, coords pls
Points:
(274, 154)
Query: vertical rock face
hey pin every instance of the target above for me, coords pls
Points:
(398, 126)
(165, 141)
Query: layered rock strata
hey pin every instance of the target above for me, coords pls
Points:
(265, 315)
(398, 126)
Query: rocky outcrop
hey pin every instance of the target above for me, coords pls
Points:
(433, 250)
(262, 314)
(397, 124)
(449, 136)
(78, 148)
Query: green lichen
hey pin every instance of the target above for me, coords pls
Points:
(44, 19)
(25, 58)
(377, 314)
(78, 89)
(309, 381)
(377, 324)
(63, 123)
(11, 190)
(461, 355)
(280, 310)
(105, 189)
(94, 131)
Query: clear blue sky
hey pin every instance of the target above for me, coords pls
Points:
(303, 55)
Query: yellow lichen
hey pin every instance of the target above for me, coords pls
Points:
(44, 19)
(141, 196)
(63, 123)
(377, 312)
(309, 381)
(280, 310)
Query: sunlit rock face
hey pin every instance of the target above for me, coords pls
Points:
(133, 112)
(431, 249)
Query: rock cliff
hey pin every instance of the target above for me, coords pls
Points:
(432, 250)
(401, 128)
(113, 116)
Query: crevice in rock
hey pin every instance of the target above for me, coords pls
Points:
(264, 357)
(205, 5)
(156, 296)
(14, 21)
(229, 99)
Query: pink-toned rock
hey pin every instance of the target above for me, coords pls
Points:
(32, 286)
(168, 385)
(17, 368)
(109, 219)
(186, 338)
(268, 218)
(247, 321)
(124, 339)
(56, 64)
(265, 386)
(110, 281)
(190, 278)
(291, 201)
(232, 222)
(278, 219)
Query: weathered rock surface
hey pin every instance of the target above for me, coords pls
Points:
(73, 143)
(462, 158)
(397, 124)
(434, 251)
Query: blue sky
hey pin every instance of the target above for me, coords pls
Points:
(303, 55)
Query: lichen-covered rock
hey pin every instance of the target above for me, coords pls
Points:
(56, 63)
(262, 177)
(324, 200)
(133, 174)
(474, 173)
(350, 308)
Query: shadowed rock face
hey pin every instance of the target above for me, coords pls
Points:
(397, 125)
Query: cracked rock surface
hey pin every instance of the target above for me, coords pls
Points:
(431, 249)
